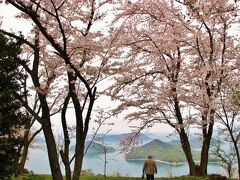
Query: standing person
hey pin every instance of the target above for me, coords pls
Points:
(149, 168)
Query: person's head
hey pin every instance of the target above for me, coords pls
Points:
(149, 156)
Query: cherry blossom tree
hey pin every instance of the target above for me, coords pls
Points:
(175, 58)
(64, 57)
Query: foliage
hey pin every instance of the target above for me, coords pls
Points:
(87, 172)
(11, 117)
(9, 156)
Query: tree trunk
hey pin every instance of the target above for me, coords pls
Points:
(187, 151)
(205, 151)
(207, 136)
(24, 148)
(52, 151)
(79, 151)
(204, 159)
(238, 169)
(65, 153)
(184, 138)
(65, 158)
(235, 143)
(105, 162)
(80, 138)
(238, 159)
(23, 159)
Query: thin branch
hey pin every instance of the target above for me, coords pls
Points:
(34, 135)
(28, 108)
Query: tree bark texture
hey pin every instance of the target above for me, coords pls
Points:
(52, 152)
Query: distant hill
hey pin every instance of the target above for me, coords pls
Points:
(96, 148)
(117, 137)
(164, 136)
(168, 149)
(164, 151)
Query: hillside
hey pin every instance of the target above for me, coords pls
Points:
(164, 151)
(97, 148)
(117, 137)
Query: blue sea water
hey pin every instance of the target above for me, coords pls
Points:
(116, 164)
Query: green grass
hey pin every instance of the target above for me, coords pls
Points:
(34, 177)
(48, 177)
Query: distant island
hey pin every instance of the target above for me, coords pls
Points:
(170, 152)
(96, 148)
(117, 137)
(167, 150)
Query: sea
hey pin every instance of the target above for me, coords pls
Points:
(116, 165)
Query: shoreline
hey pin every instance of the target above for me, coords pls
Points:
(170, 163)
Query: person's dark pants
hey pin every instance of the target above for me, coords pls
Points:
(150, 176)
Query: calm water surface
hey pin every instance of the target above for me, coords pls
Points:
(38, 163)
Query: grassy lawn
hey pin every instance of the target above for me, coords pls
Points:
(48, 177)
